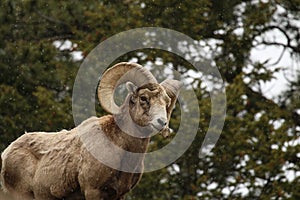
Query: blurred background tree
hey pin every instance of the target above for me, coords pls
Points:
(42, 44)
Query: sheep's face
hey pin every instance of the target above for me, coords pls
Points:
(148, 106)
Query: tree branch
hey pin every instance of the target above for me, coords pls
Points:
(51, 19)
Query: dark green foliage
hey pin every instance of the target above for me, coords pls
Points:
(256, 145)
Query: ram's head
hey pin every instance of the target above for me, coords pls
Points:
(148, 103)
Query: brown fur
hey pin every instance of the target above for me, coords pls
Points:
(58, 165)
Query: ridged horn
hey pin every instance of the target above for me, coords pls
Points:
(115, 76)
(172, 88)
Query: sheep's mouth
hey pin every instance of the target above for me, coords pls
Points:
(156, 128)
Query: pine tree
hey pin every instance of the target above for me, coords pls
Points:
(257, 145)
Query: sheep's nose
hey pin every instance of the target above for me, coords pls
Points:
(162, 121)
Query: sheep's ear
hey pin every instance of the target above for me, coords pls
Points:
(131, 87)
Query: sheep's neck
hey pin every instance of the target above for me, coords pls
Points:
(122, 139)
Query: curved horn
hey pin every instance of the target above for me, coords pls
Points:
(115, 76)
(172, 88)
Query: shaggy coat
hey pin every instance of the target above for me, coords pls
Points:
(71, 164)
(76, 168)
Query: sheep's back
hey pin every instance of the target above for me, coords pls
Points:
(42, 161)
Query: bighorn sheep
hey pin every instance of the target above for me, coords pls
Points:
(60, 165)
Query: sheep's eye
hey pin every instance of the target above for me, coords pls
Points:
(144, 99)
